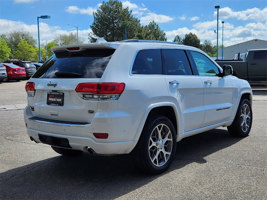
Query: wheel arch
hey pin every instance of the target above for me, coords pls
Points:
(168, 110)
(246, 95)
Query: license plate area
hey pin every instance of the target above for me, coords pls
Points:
(55, 98)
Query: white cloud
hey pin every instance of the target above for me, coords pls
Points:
(145, 15)
(136, 10)
(141, 12)
(232, 34)
(24, 1)
(130, 5)
(194, 18)
(47, 33)
(206, 25)
(182, 17)
(77, 10)
(254, 14)
(155, 17)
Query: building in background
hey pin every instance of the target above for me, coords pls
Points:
(231, 52)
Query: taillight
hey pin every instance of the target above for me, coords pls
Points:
(100, 91)
(30, 89)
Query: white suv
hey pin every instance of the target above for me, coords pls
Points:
(138, 97)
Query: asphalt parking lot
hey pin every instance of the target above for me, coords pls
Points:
(211, 165)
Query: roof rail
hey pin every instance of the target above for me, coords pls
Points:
(153, 41)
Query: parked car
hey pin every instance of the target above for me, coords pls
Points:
(3, 74)
(252, 69)
(138, 97)
(14, 72)
(38, 65)
(27, 65)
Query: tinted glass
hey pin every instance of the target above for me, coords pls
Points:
(204, 65)
(13, 65)
(148, 62)
(176, 62)
(260, 55)
(74, 65)
(28, 65)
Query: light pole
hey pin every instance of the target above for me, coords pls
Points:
(77, 41)
(42, 17)
(217, 7)
(222, 38)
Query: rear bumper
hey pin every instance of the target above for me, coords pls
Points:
(30, 73)
(17, 76)
(79, 135)
(2, 77)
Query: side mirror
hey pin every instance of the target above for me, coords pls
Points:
(228, 70)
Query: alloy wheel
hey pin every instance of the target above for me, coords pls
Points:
(160, 145)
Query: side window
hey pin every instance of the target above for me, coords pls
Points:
(260, 55)
(147, 62)
(176, 62)
(204, 65)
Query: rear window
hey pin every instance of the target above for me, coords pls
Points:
(87, 64)
(148, 62)
(260, 55)
(176, 62)
(13, 65)
(28, 65)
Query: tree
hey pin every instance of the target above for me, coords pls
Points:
(67, 39)
(178, 39)
(153, 32)
(14, 38)
(208, 48)
(36, 54)
(5, 51)
(191, 39)
(48, 48)
(25, 51)
(111, 22)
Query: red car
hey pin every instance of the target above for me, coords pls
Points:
(14, 72)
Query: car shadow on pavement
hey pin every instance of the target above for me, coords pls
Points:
(97, 177)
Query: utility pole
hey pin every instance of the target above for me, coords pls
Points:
(217, 7)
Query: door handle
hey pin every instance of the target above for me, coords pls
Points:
(174, 82)
(208, 82)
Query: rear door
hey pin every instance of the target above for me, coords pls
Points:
(218, 91)
(185, 88)
(55, 83)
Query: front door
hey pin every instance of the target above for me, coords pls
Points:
(218, 91)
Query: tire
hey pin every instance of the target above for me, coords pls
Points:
(66, 152)
(243, 120)
(157, 145)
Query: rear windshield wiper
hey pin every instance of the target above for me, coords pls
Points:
(68, 75)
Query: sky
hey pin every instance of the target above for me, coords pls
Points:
(243, 19)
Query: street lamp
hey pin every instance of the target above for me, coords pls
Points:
(77, 32)
(222, 38)
(217, 7)
(42, 17)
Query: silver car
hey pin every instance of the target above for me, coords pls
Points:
(3, 74)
